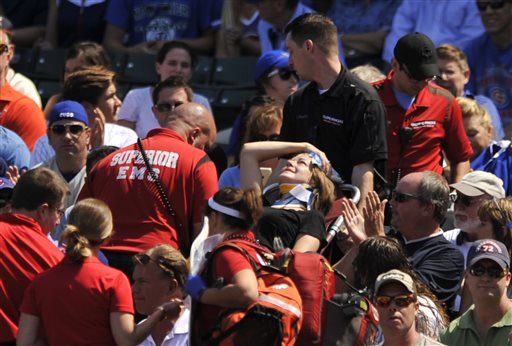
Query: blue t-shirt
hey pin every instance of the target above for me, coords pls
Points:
(13, 149)
(149, 20)
(491, 74)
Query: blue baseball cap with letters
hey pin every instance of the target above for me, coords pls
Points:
(270, 60)
(68, 110)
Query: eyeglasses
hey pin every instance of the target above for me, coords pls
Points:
(284, 74)
(401, 301)
(263, 138)
(466, 201)
(402, 197)
(495, 4)
(167, 106)
(494, 272)
(74, 129)
(163, 263)
(4, 48)
(59, 211)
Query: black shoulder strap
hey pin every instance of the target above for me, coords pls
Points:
(163, 196)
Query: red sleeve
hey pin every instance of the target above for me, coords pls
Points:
(122, 300)
(28, 306)
(26, 119)
(228, 262)
(206, 184)
(456, 143)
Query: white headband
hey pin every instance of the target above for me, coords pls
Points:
(224, 210)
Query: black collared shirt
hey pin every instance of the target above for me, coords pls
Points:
(347, 122)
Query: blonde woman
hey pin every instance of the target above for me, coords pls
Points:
(81, 301)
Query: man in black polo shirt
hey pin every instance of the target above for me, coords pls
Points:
(336, 111)
(419, 205)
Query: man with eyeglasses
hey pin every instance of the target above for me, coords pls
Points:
(424, 120)
(36, 208)
(469, 194)
(70, 136)
(489, 57)
(159, 276)
(489, 320)
(395, 298)
(419, 205)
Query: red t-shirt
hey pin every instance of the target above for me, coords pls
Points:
(25, 252)
(141, 220)
(21, 115)
(436, 125)
(74, 301)
(226, 263)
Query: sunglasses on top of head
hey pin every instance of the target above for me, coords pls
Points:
(284, 74)
(495, 4)
(74, 129)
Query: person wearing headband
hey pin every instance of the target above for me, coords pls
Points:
(305, 193)
(232, 212)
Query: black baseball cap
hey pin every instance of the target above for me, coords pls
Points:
(418, 53)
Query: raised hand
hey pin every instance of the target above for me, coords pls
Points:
(373, 214)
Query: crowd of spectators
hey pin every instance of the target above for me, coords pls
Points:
(104, 198)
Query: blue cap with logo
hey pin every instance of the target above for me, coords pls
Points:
(488, 249)
(68, 110)
(270, 60)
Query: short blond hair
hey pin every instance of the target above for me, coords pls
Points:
(471, 109)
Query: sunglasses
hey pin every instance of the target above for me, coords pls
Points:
(495, 4)
(263, 138)
(463, 199)
(167, 107)
(402, 197)
(163, 263)
(494, 272)
(4, 48)
(74, 129)
(401, 301)
(284, 74)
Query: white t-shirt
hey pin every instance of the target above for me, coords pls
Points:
(137, 106)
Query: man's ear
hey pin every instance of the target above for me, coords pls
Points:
(466, 74)
(394, 64)
(309, 45)
(193, 135)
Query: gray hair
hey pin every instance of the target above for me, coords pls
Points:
(434, 189)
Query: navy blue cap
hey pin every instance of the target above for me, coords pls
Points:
(270, 60)
(68, 110)
(488, 249)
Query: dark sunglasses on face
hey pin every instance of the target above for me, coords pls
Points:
(402, 197)
(263, 138)
(495, 4)
(494, 272)
(166, 106)
(401, 301)
(462, 199)
(74, 129)
(284, 73)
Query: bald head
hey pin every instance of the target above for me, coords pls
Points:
(195, 123)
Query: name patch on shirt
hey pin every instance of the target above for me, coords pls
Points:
(329, 119)
(127, 159)
(424, 123)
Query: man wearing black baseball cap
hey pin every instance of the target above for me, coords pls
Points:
(423, 119)
(489, 320)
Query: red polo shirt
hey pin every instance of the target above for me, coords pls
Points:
(435, 123)
(21, 115)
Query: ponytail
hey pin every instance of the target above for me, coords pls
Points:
(77, 246)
